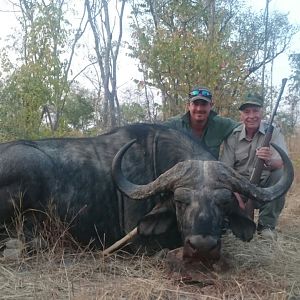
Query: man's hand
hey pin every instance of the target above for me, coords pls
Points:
(264, 153)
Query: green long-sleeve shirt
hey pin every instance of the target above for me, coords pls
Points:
(217, 129)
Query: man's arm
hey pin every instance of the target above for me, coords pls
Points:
(228, 152)
(228, 157)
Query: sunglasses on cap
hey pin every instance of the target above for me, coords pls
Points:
(200, 92)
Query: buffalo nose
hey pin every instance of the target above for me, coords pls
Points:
(202, 243)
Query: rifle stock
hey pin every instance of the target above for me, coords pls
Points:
(259, 163)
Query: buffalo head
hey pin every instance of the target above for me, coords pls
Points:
(202, 196)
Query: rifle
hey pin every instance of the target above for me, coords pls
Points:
(259, 163)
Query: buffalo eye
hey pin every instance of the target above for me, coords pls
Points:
(222, 198)
(183, 195)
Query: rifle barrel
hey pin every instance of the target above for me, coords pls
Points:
(259, 163)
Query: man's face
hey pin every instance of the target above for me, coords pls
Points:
(199, 110)
(251, 116)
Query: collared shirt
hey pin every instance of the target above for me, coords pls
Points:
(240, 153)
(216, 130)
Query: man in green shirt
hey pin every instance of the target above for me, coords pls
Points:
(202, 122)
(242, 148)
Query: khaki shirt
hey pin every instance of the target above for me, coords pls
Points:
(239, 153)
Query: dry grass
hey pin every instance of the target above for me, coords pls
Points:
(255, 270)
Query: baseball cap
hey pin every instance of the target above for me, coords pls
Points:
(252, 99)
(200, 93)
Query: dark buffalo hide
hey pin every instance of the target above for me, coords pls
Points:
(190, 192)
(74, 174)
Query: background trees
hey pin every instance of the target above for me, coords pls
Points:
(293, 98)
(38, 81)
(220, 44)
(107, 51)
(60, 72)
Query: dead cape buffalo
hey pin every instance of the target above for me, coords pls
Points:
(190, 198)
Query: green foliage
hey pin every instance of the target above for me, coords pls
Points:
(218, 44)
(132, 112)
(39, 81)
(179, 44)
(290, 117)
(79, 111)
(295, 65)
(20, 104)
(287, 125)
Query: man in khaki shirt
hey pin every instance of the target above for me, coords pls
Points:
(241, 149)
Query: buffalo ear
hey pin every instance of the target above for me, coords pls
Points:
(241, 226)
(157, 222)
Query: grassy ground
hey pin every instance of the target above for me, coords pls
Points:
(255, 270)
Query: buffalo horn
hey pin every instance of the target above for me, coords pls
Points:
(243, 186)
(123, 241)
(163, 183)
(185, 173)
